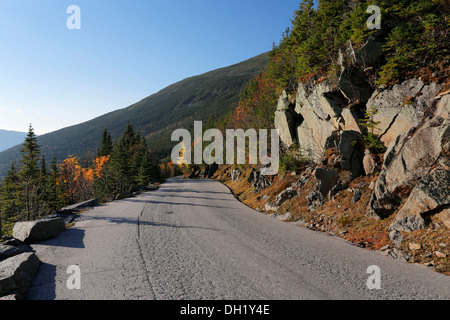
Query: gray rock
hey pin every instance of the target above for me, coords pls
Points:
(326, 179)
(285, 120)
(259, 182)
(396, 237)
(357, 196)
(235, 174)
(399, 254)
(351, 152)
(283, 217)
(7, 251)
(271, 208)
(11, 297)
(302, 181)
(369, 163)
(444, 216)
(396, 117)
(427, 196)
(18, 244)
(17, 273)
(285, 195)
(320, 109)
(416, 153)
(40, 230)
(408, 223)
(78, 207)
(315, 199)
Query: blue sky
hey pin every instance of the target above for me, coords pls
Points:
(53, 77)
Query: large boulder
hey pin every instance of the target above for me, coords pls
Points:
(320, 108)
(428, 196)
(39, 230)
(287, 194)
(401, 107)
(259, 182)
(351, 152)
(444, 216)
(7, 251)
(285, 120)
(78, 207)
(17, 273)
(412, 157)
(326, 180)
(350, 120)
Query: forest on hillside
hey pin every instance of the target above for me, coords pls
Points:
(32, 189)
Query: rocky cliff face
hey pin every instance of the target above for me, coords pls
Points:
(411, 121)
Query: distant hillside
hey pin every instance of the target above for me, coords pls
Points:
(9, 139)
(202, 97)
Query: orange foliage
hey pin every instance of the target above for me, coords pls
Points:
(99, 165)
(76, 181)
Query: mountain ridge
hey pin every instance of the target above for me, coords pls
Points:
(10, 138)
(200, 97)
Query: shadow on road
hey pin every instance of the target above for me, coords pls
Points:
(140, 223)
(71, 238)
(43, 286)
(177, 203)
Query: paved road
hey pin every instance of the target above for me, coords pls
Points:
(193, 240)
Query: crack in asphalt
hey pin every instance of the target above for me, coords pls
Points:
(139, 247)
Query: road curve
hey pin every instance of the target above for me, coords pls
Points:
(192, 240)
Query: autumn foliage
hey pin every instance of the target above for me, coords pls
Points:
(31, 191)
(76, 181)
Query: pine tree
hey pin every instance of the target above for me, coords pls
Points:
(53, 189)
(29, 173)
(372, 142)
(9, 191)
(107, 145)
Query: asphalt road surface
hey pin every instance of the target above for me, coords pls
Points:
(192, 240)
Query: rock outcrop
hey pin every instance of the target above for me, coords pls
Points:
(259, 182)
(415, 175)
(408, 162)
(287, 194)
(326, 179)
(285, 119)
(17, 273)
(411, 120)
(401, 108)
(39, 230)
(320, 108)
(78, 207)
(429, 196)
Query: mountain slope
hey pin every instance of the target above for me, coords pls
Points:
(9, 139)
(201, 97)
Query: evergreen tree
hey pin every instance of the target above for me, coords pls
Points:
(29, 173)
(8, 196)
(107, 145)
(53, 189)
(371, 140)
(43, 167)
